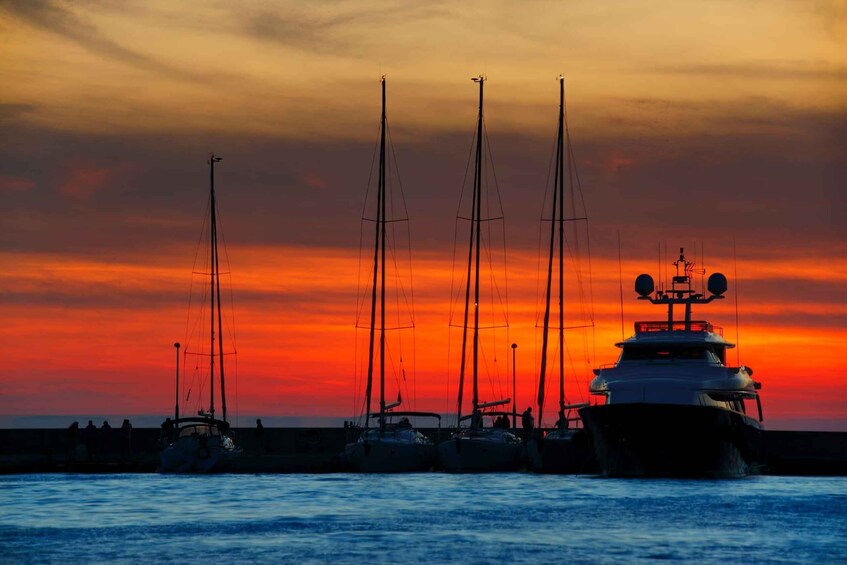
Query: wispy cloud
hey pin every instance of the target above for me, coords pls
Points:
(55, 17)
(343, 30)
(762, 70)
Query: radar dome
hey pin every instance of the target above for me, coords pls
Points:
(717, 284)
(644, 285)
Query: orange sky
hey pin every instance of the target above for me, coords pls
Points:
(722, 125)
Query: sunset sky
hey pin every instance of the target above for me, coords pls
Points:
(718, 125)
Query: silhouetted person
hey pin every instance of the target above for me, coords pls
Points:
(404, 423)
(260, 435)
(91, 439)
(527, 420)
(126, 439)
(105, 438)
(562, 422)
(476, 420)
(73, 430)
(167, 433)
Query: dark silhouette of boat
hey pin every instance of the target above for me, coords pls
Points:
(204, 443)
(473, 447)
(393, 444)
(565, 448)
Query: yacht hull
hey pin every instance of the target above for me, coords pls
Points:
(670, 440)
(569, 452)
(480, 452)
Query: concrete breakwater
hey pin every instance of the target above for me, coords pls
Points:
(316, 450)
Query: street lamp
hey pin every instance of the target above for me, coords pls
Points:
(176, 405)
(514, 389)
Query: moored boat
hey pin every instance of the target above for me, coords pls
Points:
(200, 445)
(473, 447)
(204, 444)
(565, 448)
(673, 408)
(391, 445)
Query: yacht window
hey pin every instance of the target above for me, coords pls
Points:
(669, 353)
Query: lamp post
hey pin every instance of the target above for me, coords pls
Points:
(514, 389)
(176, 404)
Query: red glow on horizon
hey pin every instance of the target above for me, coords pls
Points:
(298, 346)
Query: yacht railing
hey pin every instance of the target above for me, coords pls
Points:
(677, 326)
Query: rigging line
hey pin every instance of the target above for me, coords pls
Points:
(493, 170)
(408, 224)
(737, 328)
(489, 248)
(361, 293)
(200, 242)
(356, 370)
(231, 326)
(620, 282)
(399, 287)
(236, 391)
(454, 292)
(575, 171)
(396, 169)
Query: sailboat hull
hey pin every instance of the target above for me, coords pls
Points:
(201, 446)
(568, 452)
(670, 440)
(188, 455)
(392, 452)
(481, 451)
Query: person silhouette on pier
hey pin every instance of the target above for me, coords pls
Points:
(259, 433)
(91, 440)
(527, 420)
(105, 441)
(126, 439)
(167, 433)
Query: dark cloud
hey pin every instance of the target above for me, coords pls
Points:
(14, 112)
(776, 185)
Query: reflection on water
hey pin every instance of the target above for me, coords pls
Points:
(428, 517)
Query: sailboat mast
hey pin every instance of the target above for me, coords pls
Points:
(474, 236)
(379, 245)
(220, 310)
(382, 199)
(212, 271)
(561, 183)
(556, 210)
(478, 222)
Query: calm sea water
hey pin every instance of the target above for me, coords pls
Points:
(416, 518)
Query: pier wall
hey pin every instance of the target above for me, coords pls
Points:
(316, 450)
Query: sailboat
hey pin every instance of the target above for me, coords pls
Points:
(392, 444)
(565, 448)
(204, 443)
(474, 447)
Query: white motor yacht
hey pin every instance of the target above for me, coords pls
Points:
(673, 407)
